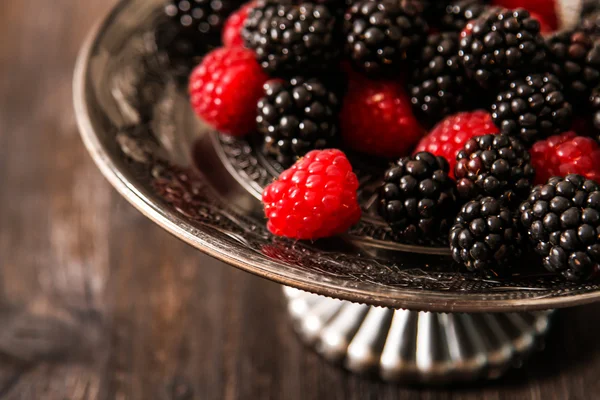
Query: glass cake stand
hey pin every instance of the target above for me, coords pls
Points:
(402, 312)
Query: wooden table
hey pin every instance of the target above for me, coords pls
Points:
(96, 302)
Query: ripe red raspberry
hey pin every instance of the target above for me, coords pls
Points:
(543, 10)
(225, 88)
(450, 135)
(377, 118)
(232, 31)
(565, 154)
(315, 198)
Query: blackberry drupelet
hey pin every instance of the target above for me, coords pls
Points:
(590, 17)
(500, 46)
(432, 10)
(594, 104)
(291, 39)
(460, 12)
(574, 57)
(485, 237)
(297, 116)
(201, 17)
(533, 108)
(591, 24)
(437, 87)
(562, 219)
(418, 198)
(589, 7)
(494, 165)
(337, 7)
(381, 35)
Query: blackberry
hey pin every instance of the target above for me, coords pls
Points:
(382, 34)
(438, 83)
(494, 165)
(418, 198)
(533, 108)
(290, 39)
(485, 237)
(575, 58)
(562, 219)
(297, 116)
(201, 17)
(460, 12)
(500, 46)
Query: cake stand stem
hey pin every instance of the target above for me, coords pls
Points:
(412, 346)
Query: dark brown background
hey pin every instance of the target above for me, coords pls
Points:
(97, 302)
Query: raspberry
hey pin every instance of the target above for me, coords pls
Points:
(543, 10)
(377, 118)
(450, 135)
(315, 198)
(225, 88)
(232, 32)
(565, 154)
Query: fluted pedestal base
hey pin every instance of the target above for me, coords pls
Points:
(410, 346)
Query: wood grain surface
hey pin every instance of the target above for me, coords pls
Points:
(96, 302)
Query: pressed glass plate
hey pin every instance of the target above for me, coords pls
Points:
(203, 188)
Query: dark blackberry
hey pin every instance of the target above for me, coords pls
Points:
(533, 108)
(500, 46)
(574, 58)
(485, 237)
(418, 198)
(201, 17)
(382, 34)
(292, 39)
(460, 12)
(494, 165)
(562, 219)
(437, 86)
(297, 116)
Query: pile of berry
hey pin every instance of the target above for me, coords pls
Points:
(476, 102)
